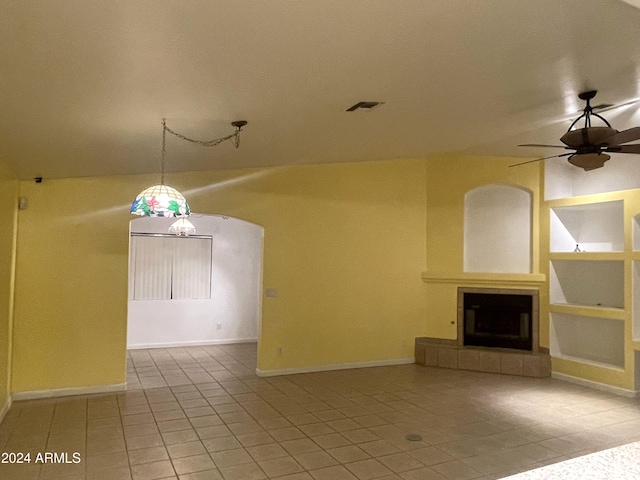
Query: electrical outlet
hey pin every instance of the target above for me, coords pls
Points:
(219, 326)
(279, 350)
(271, 292)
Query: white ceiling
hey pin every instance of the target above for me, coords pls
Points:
(85, 83)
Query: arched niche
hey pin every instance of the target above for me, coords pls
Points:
(497, 229)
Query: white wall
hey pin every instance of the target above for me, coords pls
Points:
(497, 230)
(572, 337)
(232, 313)
(583, 282)
(597, 227)
(564, 180)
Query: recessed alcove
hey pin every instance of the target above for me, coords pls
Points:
(497, 229)
(593, 227)
(572, 338)
(587, 283)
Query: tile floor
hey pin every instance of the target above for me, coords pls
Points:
(200, 413)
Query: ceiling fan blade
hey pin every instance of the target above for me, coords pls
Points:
(539, 145)
(635, 148)
(624, 136)
(540, 159)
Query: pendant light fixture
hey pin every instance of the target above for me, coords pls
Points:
(161, 200)
(164, 201)
(182, 228)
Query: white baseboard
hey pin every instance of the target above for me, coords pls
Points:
(197, 343)
(65, 392)
(5, 408)
(335, 366)
(597, 385)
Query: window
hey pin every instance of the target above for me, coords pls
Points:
(168, 267)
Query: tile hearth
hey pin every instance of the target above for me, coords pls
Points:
(436, 352)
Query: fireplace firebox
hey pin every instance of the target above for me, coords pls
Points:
(498, 320)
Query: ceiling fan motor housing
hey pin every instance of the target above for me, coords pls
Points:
(585, 137)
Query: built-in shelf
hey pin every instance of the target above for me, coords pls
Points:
(583, 310)
(635, 289)
(593, 363)
(594, 292)
(592, 227)
(636, 233)
(592, 340)
(589, 255)
(587, 283)
(636, 373)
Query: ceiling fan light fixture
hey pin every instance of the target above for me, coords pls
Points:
(182, 228)
(589, 161)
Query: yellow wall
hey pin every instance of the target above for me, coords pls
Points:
(449, 178)
(344, 245)
(9, 202)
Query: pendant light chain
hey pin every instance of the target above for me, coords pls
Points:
(164, 201)
(164, 151)
(234, 137)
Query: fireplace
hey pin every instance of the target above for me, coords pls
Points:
(502, 320)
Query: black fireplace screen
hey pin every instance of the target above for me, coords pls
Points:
(498, 320)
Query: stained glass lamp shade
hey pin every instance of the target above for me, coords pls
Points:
(160, 201)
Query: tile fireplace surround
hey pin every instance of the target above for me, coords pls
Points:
(437, 352)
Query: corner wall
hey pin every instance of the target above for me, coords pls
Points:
(8, 225)
(344, 247)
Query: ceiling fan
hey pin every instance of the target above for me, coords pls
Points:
(589, 144)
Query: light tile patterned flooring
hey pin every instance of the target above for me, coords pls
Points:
(200, 413)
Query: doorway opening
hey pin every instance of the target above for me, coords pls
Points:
(203, 289)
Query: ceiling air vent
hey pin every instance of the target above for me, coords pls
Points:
(364, 106)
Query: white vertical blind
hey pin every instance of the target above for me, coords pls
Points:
(170, 267)
(151, 264)
(191, 268)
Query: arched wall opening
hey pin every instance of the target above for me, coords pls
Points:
(230, 312)
(498, 229)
